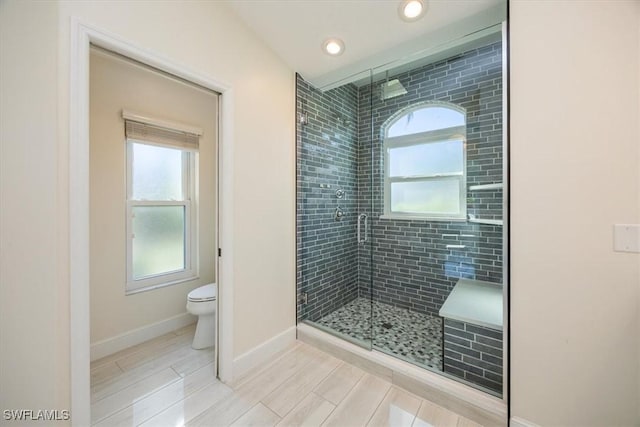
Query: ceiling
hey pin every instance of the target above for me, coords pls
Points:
(372, 31)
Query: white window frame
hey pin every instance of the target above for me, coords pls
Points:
(190, 272)
(455, 133)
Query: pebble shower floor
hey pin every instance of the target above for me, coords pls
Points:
(414, 337)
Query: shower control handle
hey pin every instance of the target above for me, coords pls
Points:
(363, 218)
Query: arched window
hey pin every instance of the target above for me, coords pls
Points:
(424, 158)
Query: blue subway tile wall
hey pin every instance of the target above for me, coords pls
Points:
(327, 155)
(411, 266)
(341, 147)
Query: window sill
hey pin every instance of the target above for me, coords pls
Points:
(421, 218)
(160, 285)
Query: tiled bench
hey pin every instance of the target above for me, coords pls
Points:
(473, 333)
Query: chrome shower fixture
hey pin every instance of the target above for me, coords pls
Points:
(340, 193)
(391, 89)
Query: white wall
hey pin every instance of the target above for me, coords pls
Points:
(34, 356)
(574, 160)
(207, 38)
(115, 85)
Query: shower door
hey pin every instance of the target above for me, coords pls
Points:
(438, 175)
(334, 209)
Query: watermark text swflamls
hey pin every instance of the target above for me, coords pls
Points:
(36, 415)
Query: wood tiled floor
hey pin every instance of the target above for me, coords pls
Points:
(164, 382)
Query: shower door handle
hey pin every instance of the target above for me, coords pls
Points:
(362, 217)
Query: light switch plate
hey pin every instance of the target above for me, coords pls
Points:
(626, 238)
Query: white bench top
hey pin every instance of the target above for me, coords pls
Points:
(475, 302)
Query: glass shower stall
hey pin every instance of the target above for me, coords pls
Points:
(401, 210)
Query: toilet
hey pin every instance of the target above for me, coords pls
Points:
(201, 302)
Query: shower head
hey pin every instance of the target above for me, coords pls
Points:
(391, 89)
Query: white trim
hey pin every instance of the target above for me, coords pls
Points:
(225, 237)
(264, 352)
(82, 36)
(79, 317)
(521, 422)
(112, 345)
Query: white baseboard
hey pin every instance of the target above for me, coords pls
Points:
(112, 345)
(263, 352)
(521, 422)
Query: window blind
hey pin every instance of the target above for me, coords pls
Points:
(162, 133)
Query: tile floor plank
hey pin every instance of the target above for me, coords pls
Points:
(337, 385)
(146, 355)
(360, 404)
(138, 373)
(310, 412)
(256, 371)
(154, 403)
(104, 372)
(399, 408)
(284, 398)
(224, 412)
(125, 397)
(155, 343)
(466, 422)
(258, 416)
(431, 414)
(253, 389)
(194, 362)
(180, 413)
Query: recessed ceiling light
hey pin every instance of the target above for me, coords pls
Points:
(412, 10)
(333, 46)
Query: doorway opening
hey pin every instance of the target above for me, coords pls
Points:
(83, 38)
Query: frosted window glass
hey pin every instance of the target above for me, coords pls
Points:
(159, 240)
(433, 196)
(157, 173)
(427, 159)
(426, 119)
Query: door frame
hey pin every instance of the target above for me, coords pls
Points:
(83, 35)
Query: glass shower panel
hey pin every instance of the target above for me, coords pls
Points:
(424, 267)
(333, 219)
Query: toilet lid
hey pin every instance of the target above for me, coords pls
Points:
(204, 293)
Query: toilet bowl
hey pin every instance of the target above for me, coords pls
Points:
(201, 302)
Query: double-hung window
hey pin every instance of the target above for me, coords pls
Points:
(425, 163)
(161, 211)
